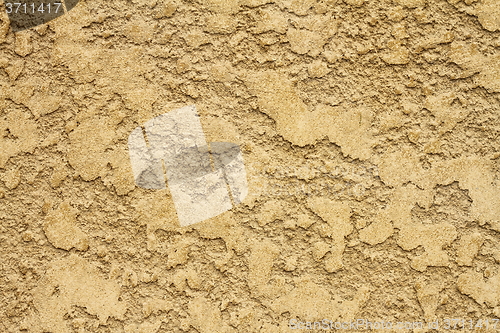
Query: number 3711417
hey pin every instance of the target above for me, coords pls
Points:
(32, 8)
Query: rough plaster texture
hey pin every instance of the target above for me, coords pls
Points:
(370, 133)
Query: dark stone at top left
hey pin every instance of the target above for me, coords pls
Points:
(26, 14)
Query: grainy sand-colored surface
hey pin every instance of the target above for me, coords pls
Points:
(370, 134)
